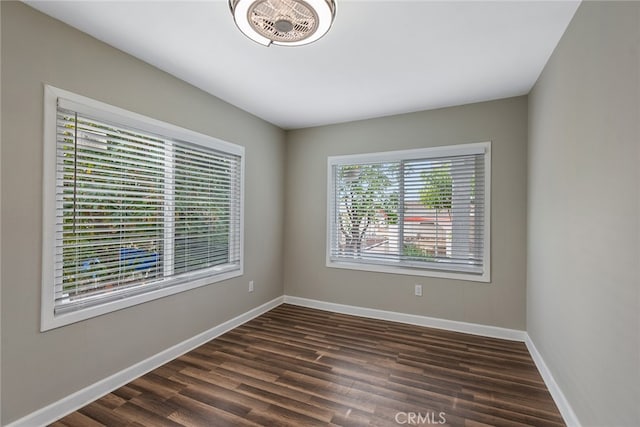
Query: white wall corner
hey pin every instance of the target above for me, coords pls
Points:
(569, 416)
(0, 222)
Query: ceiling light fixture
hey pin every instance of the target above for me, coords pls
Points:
(283, 22)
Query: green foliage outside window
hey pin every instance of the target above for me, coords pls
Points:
(114, 203)
(364, 192)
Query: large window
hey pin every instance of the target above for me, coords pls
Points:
(135, 209)
(420, 212)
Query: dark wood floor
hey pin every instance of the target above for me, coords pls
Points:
(297, 366)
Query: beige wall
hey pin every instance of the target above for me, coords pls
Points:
(581, 302)
(583, 224)
(39, 368)
(499, 303)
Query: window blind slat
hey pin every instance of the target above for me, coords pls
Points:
(137, 211)
(425, 212)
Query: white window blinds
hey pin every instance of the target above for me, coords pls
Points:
(137, 211)
(411, 212)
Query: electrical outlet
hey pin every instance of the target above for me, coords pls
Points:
(250, 285)
(418, 290)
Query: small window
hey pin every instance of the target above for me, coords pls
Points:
(135, 209)
(418, 212)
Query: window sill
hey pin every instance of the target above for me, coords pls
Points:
(50, 320)
(389, 269)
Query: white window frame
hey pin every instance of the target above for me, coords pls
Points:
(394, 156)
(51, 320)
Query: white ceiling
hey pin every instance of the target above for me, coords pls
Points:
(379, 58)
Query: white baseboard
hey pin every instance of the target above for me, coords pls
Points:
(412, 319)
(77, 400)
(558, 396)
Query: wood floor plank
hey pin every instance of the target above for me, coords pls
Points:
(104, 414)
(76, 419)
(132, 411)
(295, 366)
(194, 413)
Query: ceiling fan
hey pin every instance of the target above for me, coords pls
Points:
(283, 22)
